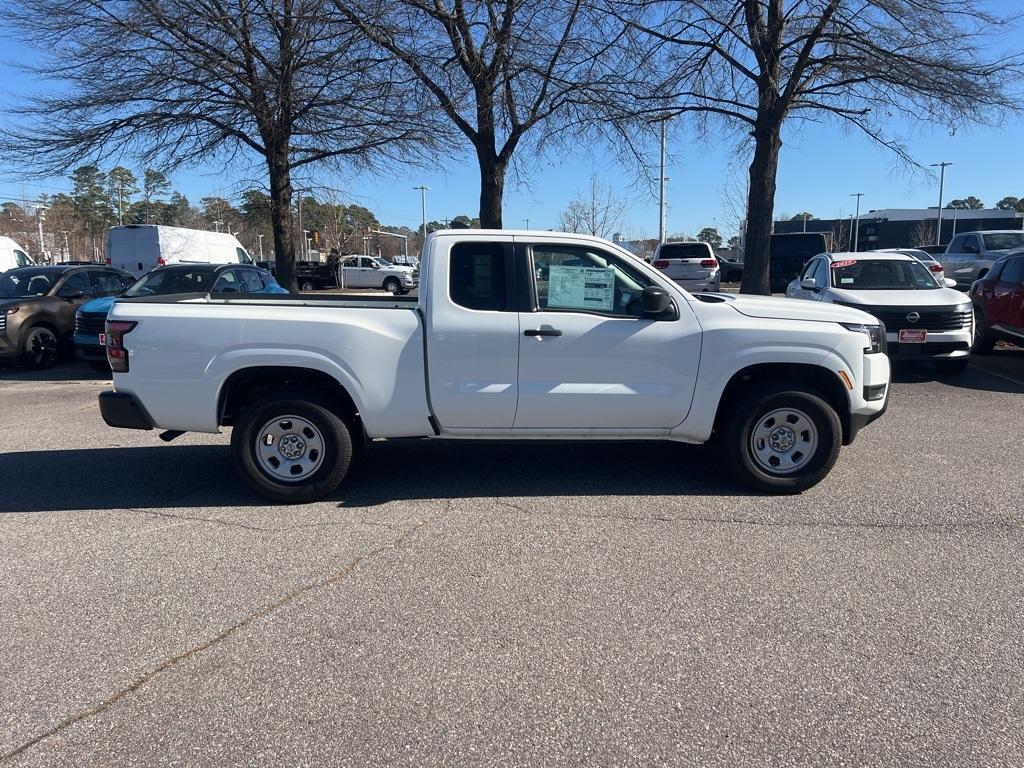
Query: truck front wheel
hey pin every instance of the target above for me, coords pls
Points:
(782, 440)
(291, 448)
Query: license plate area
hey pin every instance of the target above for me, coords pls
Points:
(913, 336)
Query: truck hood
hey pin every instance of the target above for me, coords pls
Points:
(943, 297)
(98, 306)
(772, 308)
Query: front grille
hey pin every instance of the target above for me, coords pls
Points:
(931, 318)
(90, 324)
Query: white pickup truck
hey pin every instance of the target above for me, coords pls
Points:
(514, 336)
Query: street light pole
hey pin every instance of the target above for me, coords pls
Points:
(261, 245)
(856, 224)
(662, 181)
(423, 207)
(942, 180)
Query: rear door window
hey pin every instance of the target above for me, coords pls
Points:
(1013, 272)
(77, 283)
(479, 276)
(228, 282)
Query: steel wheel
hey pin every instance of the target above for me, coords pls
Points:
(392, 286)
(289, 448)
(783, 441)
(40, 349)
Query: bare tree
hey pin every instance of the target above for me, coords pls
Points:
(598, 211)
(505, 71)
(923, 233)
(176, 82)
(758, 63)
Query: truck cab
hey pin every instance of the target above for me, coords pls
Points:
(970, 255)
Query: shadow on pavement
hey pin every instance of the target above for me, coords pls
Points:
(1002, 371)
(65, 370)
(168, 476)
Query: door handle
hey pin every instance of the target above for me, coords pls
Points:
(542, 332)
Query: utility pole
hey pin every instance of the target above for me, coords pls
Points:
(804, 217)
(423, 207)
(302, 245)
(942, 180)
(40, 217)
(662, 180)
(261, 245)
(217, 224)
(120, 203)
(67, 250)
(856, 224)
(527, 222)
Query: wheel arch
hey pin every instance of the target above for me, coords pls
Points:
(247, 384)
(820, 380)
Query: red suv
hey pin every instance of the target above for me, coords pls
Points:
(999, 304)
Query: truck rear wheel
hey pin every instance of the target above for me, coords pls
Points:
(291, 447)
(782, 440)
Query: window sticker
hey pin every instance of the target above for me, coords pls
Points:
(846, 280)
(844, 263)
(590, 288)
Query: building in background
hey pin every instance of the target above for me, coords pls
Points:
(905, 227)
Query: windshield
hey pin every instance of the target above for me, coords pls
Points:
(879, 275)
(161, 282)
(21, 284)
(1004, 241)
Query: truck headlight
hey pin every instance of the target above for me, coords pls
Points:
(875, 334)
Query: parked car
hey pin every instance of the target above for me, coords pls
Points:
(13, 255)
(970, 255)
(90, 337)
(998, 300)
(788, 254)
(925, 320)
(602, 347)
(729, 270)
(691, 265)
(932, 250)
(375, 272)
(928, 259)
(38, 304)
(138, 248)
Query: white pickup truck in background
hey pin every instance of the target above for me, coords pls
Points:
(514, 335)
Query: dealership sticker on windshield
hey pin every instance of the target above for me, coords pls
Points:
(844, 263)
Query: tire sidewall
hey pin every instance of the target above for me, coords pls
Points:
(46, 362)
(741, 425)
(337, 447)
(392, 286)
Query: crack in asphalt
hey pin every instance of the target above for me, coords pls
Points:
(218, 638)
(223, 635)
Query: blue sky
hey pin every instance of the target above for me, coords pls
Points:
(820, 167)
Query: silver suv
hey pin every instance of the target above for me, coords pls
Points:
(970, 255)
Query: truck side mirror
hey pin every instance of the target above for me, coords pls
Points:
(655, 301)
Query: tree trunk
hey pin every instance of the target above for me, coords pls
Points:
(281, 216)
(492, 188)
(760, 208)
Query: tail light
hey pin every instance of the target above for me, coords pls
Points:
(161, 262)
(107, 261)
(935, 267)
(709, 263)
(117, 355)
(660, 263)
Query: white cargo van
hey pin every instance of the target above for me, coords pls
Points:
(13, 255)
(138, 248)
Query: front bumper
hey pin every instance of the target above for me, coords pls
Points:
(876, 378)
(123, 410)
(940, 346)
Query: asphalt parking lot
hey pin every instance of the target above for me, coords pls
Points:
(484, 604)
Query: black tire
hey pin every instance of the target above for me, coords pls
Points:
(748, 415)
(40, 347)
(953, 367)
(984, 339)
(336, 438)
(392, 286)
(100, 366)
